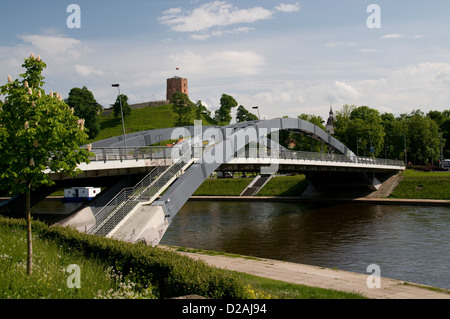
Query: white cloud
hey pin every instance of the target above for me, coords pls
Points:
(218, 33)
(344, 90)
(219, 64)
(370, 50)
(211, 14)
(57, 47)
(288, 7)
(87, 70)
(393, 36)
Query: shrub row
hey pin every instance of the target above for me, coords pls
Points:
(172, 274)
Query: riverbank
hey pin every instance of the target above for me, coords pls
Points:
(320, 277)
(362, 200)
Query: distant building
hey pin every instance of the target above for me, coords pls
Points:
(176, 84)
(330, 122)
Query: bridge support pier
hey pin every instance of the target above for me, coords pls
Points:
(343, 184)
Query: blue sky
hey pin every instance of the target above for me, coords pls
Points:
(288, 57)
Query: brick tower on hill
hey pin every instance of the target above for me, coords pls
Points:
(176, 84)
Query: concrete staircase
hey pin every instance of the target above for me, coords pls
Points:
(255, 186)
(114, 214)
(387, 187)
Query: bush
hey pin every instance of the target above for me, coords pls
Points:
(170, 273)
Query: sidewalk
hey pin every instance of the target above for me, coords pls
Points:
(321, 277)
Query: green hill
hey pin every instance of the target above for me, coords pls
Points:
(143, 119)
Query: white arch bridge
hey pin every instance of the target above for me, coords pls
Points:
(145, 211)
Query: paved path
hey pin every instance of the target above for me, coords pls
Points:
(321, 277)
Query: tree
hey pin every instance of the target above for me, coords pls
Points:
(306, 143)
(341, 123)
(125, 107)
(85, 106)
(183, 108)
(200, 109)
(445, 131)
(361, 129)
(423, 138)
(223, 114)
(38, 132)
(243, 115)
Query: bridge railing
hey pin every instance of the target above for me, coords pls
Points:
(129, 153)
(127, 199)
(322, 157)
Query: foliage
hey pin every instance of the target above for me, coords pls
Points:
(49, 278)
(85, 106)
(201, 110)
(305, 143)
(168, 272)
(125, 106)
(361, 129)
(423, 138)
(39, 133)
(223, 114)
(183, 109)
(243, 115)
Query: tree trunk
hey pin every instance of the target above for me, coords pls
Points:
(29, 243)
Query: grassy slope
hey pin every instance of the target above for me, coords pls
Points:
(284, 186)
(140, 120)
(423, 185)
(49, 277)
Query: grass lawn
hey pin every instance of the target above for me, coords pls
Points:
(147, 118)
(51, 273)
(284, 186)
(423, 185)
(284, 290)
(140, 120)
(222, 187)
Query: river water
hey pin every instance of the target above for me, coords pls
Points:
(407, 242)
(410, 243)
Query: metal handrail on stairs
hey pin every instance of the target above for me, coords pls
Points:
(127, 199)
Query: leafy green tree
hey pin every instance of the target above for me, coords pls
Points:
(423, 138)
(85, 106)
(396, 130)
(200, 109)
(183, 109)
(341, 124)
(223, 114)
(442, 119)
(445, 131)
(243, 115)
(39, 133)
(361, 129)
(305, 143)
(125, 106)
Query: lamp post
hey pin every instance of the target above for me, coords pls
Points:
(257, 107)
(121, 112)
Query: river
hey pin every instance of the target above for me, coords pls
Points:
(410, 243)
